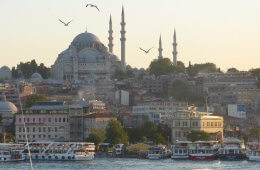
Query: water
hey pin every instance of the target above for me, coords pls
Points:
(133, 164)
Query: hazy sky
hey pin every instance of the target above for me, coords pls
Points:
(225, 32)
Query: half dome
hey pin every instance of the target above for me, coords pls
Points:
(85, 37)
(9, 107)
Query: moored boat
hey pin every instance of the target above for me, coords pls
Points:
(180, 150)
(203, 150)
(11, 152)
(253, 153)
(70, 151)
(232, 149)
(158, 152)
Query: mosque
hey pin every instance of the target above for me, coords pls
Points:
(87, 58)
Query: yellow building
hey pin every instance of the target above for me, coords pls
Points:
(185, 121)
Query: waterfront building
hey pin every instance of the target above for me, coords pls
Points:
(159, 111)
(237, 110)
(45, 121)
(185, 121)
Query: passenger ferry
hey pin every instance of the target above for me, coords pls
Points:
(11, 152)
(181, 150)
(253, 151)
(61, 151)
(203, 150)
(232, 149)
(157, 152)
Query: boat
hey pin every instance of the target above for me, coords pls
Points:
(253, 153)
(180, 150)
(157, 152)
(203, 150)
(232, 149)
(73, 151)
(119, 149)
(11, 152)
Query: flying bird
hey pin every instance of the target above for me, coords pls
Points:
(146, 51)
(65, 24)
(92, 5)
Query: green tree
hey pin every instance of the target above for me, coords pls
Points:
(256, 72)
(159, 139)
(180, 68)
(97, 136)
(193, 70)
(232, 70)
(120, 75)
(195, 135)
(162, 66)
(115, 133)
(32, 99)
(134, 134)
(255, 133)
(149, 129)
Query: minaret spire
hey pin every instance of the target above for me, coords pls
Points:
(110, 38)
(123, 39)
(175, 52)
(160, 48)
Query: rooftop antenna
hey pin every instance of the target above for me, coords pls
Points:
(25, 130)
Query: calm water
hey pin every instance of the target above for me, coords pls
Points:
(130, 164)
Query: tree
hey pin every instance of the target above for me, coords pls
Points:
(193, 70)
(115, 133)
(195, 135)
(161, 66)
(1, 118)
(120, 75)
(32, 99)
(159, 139)
(255, 133)
(232, 70)
(256, 72)
(97, 136)
(149, 129)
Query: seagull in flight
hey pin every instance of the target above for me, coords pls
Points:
(92, 5)
(65, 24)
(146, 51)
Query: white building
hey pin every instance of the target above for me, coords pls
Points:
(159, 111)
(237, 110)
(122, 97)
(45, 121)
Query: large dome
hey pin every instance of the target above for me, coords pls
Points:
(85, 38)
(6, 106)
(5, 68)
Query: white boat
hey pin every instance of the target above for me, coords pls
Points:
(73, 151)
(203, 150)
(253, 151)
(232, 149)
(119, 149)
(180, 150)
(11, 152)
(158, 152)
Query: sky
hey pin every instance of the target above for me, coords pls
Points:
(225, 32)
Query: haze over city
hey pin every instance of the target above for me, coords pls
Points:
(223, 32)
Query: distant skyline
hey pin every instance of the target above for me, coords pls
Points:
(224, 32)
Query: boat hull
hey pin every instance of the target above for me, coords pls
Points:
(254, 158)
(202, 157)
(180, 156)
(231, 157)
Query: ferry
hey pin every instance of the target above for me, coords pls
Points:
(232, 149)
(11, 152)
(253, 151)
(203, 150)
(181, 150)
(157, 152)
(69, 151)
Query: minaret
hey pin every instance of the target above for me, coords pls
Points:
(160, 48)
(174, 53)
(110, 38)
(123, 39)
